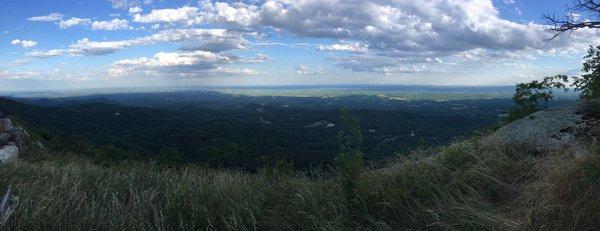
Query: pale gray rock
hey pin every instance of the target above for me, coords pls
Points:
(19, 136)
(8, 153)
(5, 124)
(546, 130)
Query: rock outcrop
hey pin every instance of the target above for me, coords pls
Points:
(5, 124)
(8, 153)
(12, 140)
(550, 129)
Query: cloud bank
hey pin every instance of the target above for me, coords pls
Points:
(378, 36)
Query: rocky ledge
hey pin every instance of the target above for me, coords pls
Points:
(554, 128)
(12, 140)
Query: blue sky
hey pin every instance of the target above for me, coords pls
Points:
(50, 44)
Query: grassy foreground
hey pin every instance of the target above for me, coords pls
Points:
(473, 185)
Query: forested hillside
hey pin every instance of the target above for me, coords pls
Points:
(242, 131)
(479, 183)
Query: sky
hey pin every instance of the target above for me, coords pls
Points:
(64, 44)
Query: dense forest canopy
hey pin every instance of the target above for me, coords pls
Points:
(245, 131)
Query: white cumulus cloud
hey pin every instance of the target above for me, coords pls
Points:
(398, 29)
(182, 64)
(220, 12)
(47, 18)
(135, 10)
(47, 53)
(24, 43)
(213, 40)
(124, 4)
(74, 21)
(304, 70)
(115, 24)
(383, 36)
(351, 47)
(184, 14)
(234, 13)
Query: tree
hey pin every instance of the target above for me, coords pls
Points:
(572, 21)
(529, 95)
(589, 83)
(350, 162)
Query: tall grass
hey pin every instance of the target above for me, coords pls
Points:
(565, 195)
(470, 185)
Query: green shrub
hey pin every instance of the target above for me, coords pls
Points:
(529, 96)
(281, 169)
(350, 165)
(589, 83)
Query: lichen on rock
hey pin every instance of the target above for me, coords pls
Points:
(12, 140)
(19, 136)
(550, 129)
(8, 153)
(5, 124)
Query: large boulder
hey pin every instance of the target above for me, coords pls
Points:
(546, 130)
(18, 136)
(5, 124)
(8, 153)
